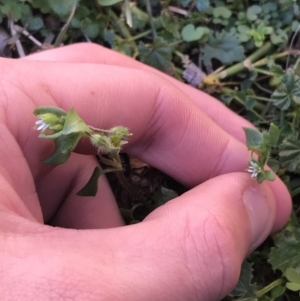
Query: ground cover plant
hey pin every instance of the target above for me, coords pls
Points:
(243, 52)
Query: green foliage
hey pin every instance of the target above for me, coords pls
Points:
(289, 154)
(245, 290)
(62, 7)
(224, 47)
(288, 93)
(190, 33)
(158, 55)
(286, 253)
(294, 279)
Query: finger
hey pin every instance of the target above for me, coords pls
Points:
(179, 252)
(169, 131)
(92, 53)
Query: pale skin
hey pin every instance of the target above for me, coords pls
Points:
(190, 249)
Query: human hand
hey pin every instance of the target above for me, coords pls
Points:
(189, 249)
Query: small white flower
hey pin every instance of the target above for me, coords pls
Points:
(41, 125)
(254, 169)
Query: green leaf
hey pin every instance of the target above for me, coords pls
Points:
(224, 47)
(108, 2)
(158, 55)
(49, 109)
(190, 33)
(90, 28)
(253, 137)
(62, 7)
(288, 92)
(222, 11)
(293, 286)
(64, 145)
(286, 253)
(164, 195)
(202, 5)
(261, 177)
(292, 275)
(277, 291)
(289, 154)
(269, 175)
(36, 23)
(245, 288)
(253, 12)
(274, 133)
(42, 5)
(170, 23)
(74, 124)
(91, 188)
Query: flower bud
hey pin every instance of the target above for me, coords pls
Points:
(49, 118)
(120, 131)
(102, 142)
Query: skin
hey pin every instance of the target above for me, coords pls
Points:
(190, 249)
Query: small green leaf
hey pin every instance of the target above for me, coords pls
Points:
(91, 187)
(222, 11)
(158, 55)
(292, 275)
(253, 12)
(64, 145)
(190, 33)
(36, 23)
(108, 2)
(286, 253)
(261, 177)
(164, 195)
(293, 286)
(277, 291)
(62, 7)
(74, 124)
(288, 92)
(202, 5)
(245, 288)
(274, 134)
(224, 47)
(253, 137)
(49, 109)
(289, 154)
(269, 175)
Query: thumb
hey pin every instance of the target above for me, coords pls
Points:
(201, 238)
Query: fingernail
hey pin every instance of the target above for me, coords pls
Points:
(257, 202)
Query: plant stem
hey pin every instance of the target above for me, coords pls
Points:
(269, 287)
(123, 29)
(259, 106)
(274, 56)
(249, 60)
(138, 36)
(149, 11)
(65, 28)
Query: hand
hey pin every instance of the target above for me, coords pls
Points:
(189, 249)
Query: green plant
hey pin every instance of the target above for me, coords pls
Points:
(67, 128)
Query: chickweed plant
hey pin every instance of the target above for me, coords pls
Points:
(66, 129)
